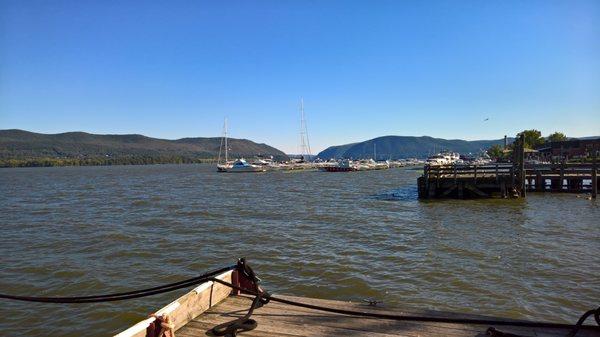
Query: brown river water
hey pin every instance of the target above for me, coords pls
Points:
(87, 230)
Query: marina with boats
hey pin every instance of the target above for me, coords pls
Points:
(449, 175)
(446, 174)
(305, 161)
(241, 165)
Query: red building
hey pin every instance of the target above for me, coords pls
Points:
(573, 148)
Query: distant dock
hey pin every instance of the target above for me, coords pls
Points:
(506, 180)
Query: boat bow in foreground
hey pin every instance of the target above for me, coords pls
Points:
(213, 308)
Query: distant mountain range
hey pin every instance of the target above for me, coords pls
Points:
(396, 147)
(23, 148)
(92, 149)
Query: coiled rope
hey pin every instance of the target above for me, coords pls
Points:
(245, 323)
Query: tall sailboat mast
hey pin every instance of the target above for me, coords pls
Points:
(304, 142)
(225, 135)
(374, 151)
(223, 140)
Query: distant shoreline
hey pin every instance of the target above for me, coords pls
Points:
(68, 162)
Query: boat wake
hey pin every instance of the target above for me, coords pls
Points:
(408, 193)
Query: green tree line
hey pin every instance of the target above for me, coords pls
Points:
(100, 161)
(532, 139)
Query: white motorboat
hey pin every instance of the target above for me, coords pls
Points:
(240, 165)
(443, 158)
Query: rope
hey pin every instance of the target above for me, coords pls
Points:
(245, 323)
(417, 318)
(582, 319)
(124, 295)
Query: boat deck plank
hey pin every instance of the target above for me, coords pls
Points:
(281, 320)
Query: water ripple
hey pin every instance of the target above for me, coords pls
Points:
(66, 231)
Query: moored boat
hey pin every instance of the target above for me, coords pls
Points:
(443, 158)
(224, 166)
(241, 166)
(345, 165)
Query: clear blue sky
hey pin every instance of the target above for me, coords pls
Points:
(175, 69)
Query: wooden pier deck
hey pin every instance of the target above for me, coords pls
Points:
(281, 320)
(197, 312)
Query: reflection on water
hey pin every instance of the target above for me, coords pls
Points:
(346, 236)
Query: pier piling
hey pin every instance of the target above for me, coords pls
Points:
(595, 176)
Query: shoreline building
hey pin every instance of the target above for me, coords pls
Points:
(572, 148)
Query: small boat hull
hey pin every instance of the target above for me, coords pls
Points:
(338, 169)
(223, 168)
(244, 169)
(240, 166)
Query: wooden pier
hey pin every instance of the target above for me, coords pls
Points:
(280, 320)
(211, 304)
(573, 178)
(506, 180)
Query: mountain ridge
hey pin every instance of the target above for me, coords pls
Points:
(105, 149)
(397, 147)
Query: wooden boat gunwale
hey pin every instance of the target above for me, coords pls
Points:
(188, 306)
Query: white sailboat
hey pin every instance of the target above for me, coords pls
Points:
(239, 165)
(222, 167)
(305, 151)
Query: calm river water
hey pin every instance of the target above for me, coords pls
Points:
(348, 236)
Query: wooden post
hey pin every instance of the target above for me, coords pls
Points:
(431, 191)
(514, 167)
(561, 182)
(522, 163)
(497, 177)
(426, 180)
(455, 174)
(539, 183)
(555, 185)
(595, 177)
(571, 185)
(512, 176)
